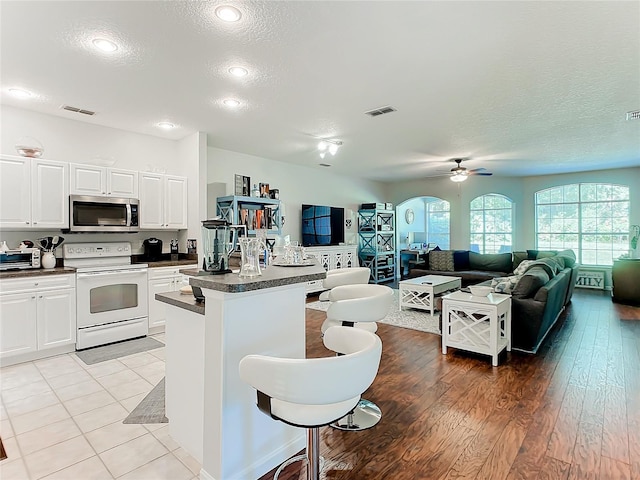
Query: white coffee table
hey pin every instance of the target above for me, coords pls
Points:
(477, 324)
(421, 292)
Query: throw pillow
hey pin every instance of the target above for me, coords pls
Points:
(492, 262)
(441, 260)
(461, 260)
(530, 282)
(569, 257)
(517, 258)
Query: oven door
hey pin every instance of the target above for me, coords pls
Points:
(111, 296)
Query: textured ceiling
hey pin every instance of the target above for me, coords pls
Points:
(522, 88)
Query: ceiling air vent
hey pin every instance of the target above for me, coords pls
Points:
(380, 111)
(77, 110)
(633, 115)
(324, 164)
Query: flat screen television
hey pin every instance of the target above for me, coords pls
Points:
(322, 225)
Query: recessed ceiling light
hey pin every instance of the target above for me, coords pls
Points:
(228, 13)
(20, 93)
(231, 102)
(238, 71)
(104, 45)
(166, 125)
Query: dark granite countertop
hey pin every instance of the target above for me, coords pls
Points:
(165, 260)
(272, 276)
(177, 299)
(36, 272)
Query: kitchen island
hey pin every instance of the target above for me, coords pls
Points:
(212, 413)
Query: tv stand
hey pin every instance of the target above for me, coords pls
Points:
(331, 257)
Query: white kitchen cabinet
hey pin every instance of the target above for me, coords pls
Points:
(101, 181)
(34, 193)
(163, 201)
(37, 317)
(18, 324)
(163, 280)
(56, 309)
(332, 257)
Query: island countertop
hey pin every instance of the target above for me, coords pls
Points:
(272, 276)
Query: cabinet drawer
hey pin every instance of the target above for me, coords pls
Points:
(163, 272)
(47, 282)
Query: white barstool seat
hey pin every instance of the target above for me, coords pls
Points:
(344, 276)
(358, 306)
(311, 393)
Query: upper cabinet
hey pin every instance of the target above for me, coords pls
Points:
(98, 181)
(163, 202)
(33, 193)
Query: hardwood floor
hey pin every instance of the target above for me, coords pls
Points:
(570, 412)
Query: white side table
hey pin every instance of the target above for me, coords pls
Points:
(477, 324)
(421, 292)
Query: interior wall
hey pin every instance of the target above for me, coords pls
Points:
(73, 141)
(297, 185)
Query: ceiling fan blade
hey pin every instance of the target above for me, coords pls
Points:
(481, 169)
(486, 174)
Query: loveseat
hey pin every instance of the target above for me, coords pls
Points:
(541, 284)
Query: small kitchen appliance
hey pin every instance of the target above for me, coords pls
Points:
(152, 249)
(219, 240)
(20, 259)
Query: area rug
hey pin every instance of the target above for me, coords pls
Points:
(411, 318)
(116, 350)
(151, 409)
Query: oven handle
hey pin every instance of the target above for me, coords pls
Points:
(111, 272)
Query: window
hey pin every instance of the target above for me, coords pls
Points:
(491, 224)
(592, 219)
(437, 222)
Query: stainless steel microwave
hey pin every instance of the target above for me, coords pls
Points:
(103, 214)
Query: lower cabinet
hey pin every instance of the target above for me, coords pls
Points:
(163, 280)
(340, 256)
(37, 318)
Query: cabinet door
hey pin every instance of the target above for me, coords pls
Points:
(15, 196)
(157, 310)
(56, 318)
(49, 194)
(17, 324)
(175, 205)
(122, 183)
(151, 200)
(87, 180)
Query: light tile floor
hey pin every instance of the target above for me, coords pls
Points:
(61, 419)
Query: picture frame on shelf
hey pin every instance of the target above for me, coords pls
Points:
(246, 186)
(238, 184)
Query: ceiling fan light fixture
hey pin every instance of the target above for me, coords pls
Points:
(322, 146)
(458, 178)
(333, 148)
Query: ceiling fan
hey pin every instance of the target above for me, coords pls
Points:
(460, 173)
